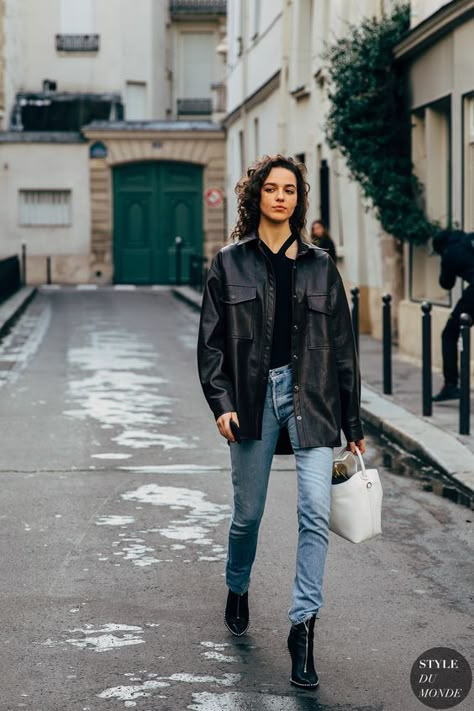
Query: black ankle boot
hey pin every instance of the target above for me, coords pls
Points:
(237, 613)
(300, 646)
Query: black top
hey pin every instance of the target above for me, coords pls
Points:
(282, 269)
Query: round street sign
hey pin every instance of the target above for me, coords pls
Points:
(213, 197)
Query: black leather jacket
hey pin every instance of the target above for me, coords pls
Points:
(235, 337)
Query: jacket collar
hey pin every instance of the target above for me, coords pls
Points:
(303, 245)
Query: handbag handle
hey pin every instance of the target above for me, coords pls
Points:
(362, 465)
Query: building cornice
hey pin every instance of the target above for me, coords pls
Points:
(254, 99)
(433, 28)
(154, 130)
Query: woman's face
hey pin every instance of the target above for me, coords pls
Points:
(279, 195)
(318, 230)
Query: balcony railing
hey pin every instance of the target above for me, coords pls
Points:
(77, 43)
(198, 7)
(194, 107)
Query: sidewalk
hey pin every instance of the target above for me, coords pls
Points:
(12, 307)
(434, 439)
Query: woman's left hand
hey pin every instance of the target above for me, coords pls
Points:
(360, 443)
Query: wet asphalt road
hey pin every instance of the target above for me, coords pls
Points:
(114, 508)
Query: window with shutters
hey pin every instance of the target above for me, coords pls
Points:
(44, 208)
(77, 22)
(197, 58)
(135, 101)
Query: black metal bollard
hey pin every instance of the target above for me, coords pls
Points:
(178, 244)
(355, 316)
(465, 384)
(23, 264)
(192, 270)
(387, 344)
(427, 380)
(203, 273)
(48, 270)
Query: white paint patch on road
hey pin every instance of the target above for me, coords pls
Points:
(114, 520)
(129, 693)
(118, 388)
(215, 652)
(141, 438)
(224, 680)
(175, 469)
(105, 642)
(111, 455)
(235, 701)
(102, 638)
(201, 517)
(140, 555)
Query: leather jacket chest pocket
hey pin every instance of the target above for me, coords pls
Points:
(240, 310)
(319, 314)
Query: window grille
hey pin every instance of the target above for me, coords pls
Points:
(194, 107)
(77, 43)
(201, 7)
(44, 208)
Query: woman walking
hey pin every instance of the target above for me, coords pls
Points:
(279, 371)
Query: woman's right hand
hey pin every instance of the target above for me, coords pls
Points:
(223, 425)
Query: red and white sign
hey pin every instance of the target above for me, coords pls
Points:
(214, 197)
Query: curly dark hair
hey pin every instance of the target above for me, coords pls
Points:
(248, 191)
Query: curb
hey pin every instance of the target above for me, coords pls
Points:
(14, 306)
(419, 437)
(414, 434)
(189, 296)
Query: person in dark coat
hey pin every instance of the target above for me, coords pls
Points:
(321, 238)
(276, 353)
(456, 249)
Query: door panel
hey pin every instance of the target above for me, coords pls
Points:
(133, 259)
(153, 204)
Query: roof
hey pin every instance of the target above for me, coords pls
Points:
(152, 126)
(41, 137)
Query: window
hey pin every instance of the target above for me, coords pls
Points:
(44, 208)
(431, 153)
(256, 137)
(77, 18)
(197, 65)
(242, 161)
(135, 101)
(301, 59)
(255, 18)
(468, 182)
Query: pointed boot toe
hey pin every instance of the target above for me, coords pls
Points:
(236, 616)
(300, 646)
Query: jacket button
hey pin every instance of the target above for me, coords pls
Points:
(295, 327)
(294, 296)
(295, 357)
(296, 388)
(298, 417)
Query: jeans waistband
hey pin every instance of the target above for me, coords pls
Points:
(275, 372)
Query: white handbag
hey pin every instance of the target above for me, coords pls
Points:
(356, 505)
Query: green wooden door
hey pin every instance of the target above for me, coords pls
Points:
(153, 204)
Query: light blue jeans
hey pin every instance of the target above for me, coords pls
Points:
(251, 463)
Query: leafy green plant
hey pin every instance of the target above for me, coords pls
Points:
(369, 122)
